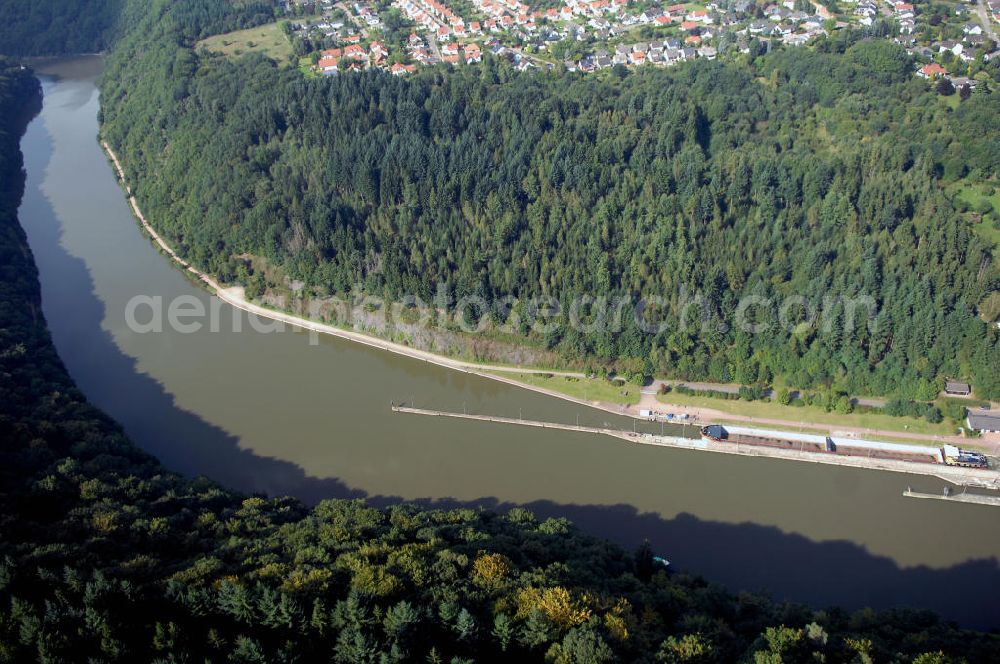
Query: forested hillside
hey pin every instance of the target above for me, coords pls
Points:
(47, 27)
(812, 173)
(106, 556)
(61, 27)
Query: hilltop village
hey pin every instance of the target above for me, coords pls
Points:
(952, 41)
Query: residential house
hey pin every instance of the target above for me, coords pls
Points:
(932, 71)
(473, 53)
(700, 16)
(960, 82)
(796, 39)
(355, 52)
(650, 15)
(378, 50)
(983, 422)
(399, 69)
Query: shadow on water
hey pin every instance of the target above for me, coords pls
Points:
(740, 556)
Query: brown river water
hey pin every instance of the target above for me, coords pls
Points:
(271, 412)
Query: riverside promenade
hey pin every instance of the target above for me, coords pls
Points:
(968, 477)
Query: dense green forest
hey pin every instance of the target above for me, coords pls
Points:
(813, 173)
(105, 556)
(59, 27)
(30, 27)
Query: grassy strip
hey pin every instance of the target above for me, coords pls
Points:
(811, 415)
(813, 419)
(587, 389)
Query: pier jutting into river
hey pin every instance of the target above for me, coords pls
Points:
(970, 477)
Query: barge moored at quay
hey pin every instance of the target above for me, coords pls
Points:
(949, 455)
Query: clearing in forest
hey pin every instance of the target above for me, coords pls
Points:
(268, 39)
(983, 201)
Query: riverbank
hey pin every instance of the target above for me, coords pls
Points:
(969, 477)
(758, 412)
(235, 296)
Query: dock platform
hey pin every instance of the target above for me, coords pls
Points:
(963, 497)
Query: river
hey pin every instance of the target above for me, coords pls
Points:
(272, 412)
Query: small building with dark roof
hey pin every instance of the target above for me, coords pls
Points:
(957, 388)
(983, 421)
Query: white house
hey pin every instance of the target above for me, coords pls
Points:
(983, 422)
